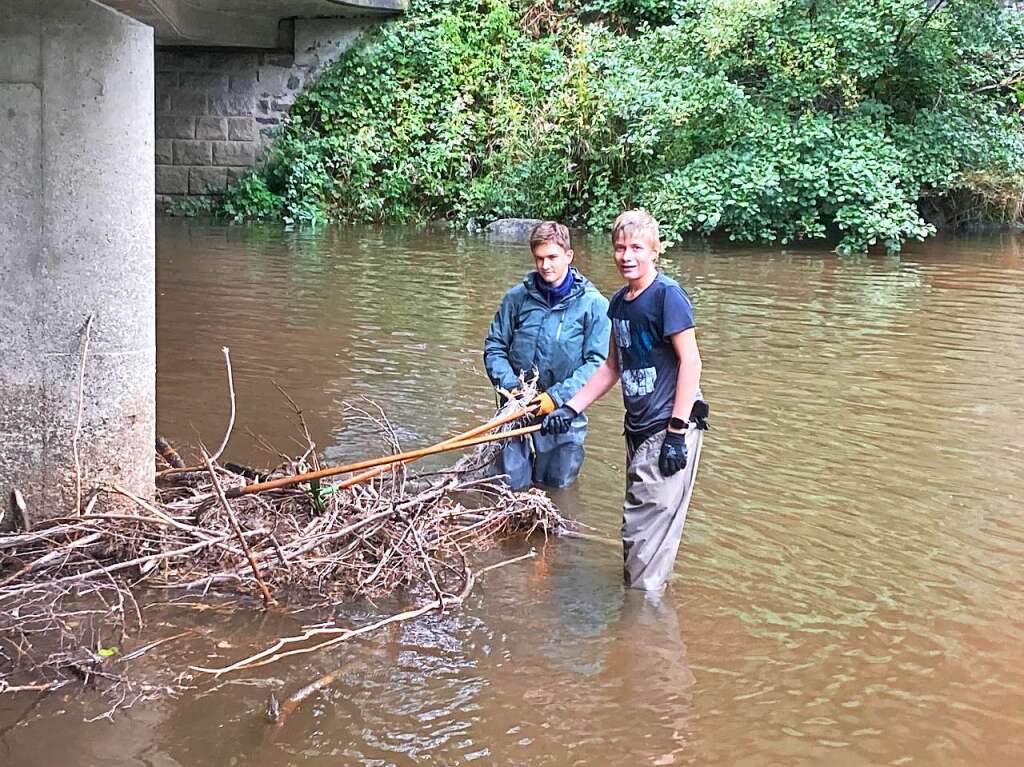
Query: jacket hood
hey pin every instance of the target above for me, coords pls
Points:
(580, 286)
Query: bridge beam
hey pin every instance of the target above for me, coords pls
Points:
(242, 23)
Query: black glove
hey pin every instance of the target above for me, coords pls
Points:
(558, 421)
(673, 453)
(699, 414)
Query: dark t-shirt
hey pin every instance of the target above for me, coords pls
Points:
(642, 329)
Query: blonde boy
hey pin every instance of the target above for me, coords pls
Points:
(654, 353)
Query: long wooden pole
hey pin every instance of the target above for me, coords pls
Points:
(494, 424)
(383, 461)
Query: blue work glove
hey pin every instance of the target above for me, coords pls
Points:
(673, 453)
(558, 421)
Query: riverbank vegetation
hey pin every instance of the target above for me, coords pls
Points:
(763, 120)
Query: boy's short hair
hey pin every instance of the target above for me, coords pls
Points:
(637, 221)
(550, 231)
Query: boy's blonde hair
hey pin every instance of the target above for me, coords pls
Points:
(550, 231)
(637, 221)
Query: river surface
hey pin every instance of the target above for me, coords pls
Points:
(849, 590)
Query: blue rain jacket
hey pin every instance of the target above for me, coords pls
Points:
(566, 343)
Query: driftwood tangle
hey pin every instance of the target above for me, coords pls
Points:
(70, 587)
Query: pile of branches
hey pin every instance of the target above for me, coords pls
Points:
(72, 584)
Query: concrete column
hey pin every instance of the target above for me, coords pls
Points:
(76, 240)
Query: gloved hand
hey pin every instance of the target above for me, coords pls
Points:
(558, 421)
(673, 453)
(547, 405)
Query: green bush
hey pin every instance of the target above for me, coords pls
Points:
(250, 198)
(766, 120)
(191, 207)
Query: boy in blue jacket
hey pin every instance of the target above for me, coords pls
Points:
(554, 323)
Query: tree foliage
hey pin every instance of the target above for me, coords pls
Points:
(766, 120)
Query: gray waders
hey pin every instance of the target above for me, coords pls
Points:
(654, 511)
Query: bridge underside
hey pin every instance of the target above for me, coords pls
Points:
(239, 23)
(77, 335)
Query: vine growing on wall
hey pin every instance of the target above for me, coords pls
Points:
(764, 120)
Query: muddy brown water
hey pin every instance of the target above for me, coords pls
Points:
(849, 589)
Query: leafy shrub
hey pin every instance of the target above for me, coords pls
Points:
(190, 207)
(766, 120)
(250, 198)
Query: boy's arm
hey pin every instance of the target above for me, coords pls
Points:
(688, 379)
(595, 351)
(599, 384)
(498, 344)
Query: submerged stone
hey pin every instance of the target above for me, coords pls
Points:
(514, 229)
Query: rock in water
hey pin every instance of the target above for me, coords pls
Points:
(273, 710)
(512, 229)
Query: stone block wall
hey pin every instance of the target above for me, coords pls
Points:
(217, 109)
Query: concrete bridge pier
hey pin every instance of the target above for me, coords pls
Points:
(76, 241)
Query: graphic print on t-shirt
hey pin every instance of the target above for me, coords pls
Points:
(639, 381)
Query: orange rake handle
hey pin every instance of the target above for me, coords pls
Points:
(384, 461)
(378, 470)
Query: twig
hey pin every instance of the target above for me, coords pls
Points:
(293, 701)
(101, 571)
(20, 510)
(231, 419)
(277, 651)
(426, 566)
(138, 653)
(86, 334)
(901, 49)
(51, 557)
(227, 434)
(589, 537)
(267, 598)
(1011, 79)
(302, 423)
(159, 514)
(45, 687)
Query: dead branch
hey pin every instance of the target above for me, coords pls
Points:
(227, 433)
(267, 598)
(86, 334)
(231, 419)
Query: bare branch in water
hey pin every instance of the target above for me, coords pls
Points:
(86, 334)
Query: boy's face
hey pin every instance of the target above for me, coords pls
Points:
(635, 256)
(552, 262)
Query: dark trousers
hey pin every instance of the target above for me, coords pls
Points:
(551, 460)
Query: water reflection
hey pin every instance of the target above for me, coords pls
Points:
(848, 588)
